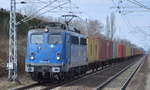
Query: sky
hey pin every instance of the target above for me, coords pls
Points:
(131, 26)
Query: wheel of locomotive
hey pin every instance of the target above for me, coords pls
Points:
(62, 76)
(46, 77)
(56, 77)
(36, 76)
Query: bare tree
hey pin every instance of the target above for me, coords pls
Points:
(80, 25)
(94, 27)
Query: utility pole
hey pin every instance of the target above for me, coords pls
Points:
(12, 65)
(112, 26)
(108, 27)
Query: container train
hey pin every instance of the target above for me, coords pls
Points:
(57, 51)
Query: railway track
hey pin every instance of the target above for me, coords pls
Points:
(121, 80)
(91, 81)
(47, 86)
(67, 84)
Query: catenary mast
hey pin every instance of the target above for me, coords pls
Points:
(12, 65)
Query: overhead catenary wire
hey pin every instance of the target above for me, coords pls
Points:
(134, 2)
(139, 4)
(129, 24)
(33, 15)
(82, 11)
(43, 12)
(50, 10)
(142, 4)
(28, 17)
(41, 1)
(137, 28)
(33, 1)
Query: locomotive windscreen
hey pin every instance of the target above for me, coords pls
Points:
(55, 39)
(37, 39)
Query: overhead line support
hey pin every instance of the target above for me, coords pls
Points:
(12, 65)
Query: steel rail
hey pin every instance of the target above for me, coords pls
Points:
(131, 76)
(65, 82)
(114, 77)
(52, 86)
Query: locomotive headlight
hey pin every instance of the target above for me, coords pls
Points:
(58, 58)
(32, 58)
(46, 30)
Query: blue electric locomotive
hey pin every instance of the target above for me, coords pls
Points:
(55, 51)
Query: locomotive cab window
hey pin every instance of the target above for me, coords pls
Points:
(82, 41)
(55, 39)
(74, 40)
(37, 39)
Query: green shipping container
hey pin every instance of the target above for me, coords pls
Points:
(114, 50)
